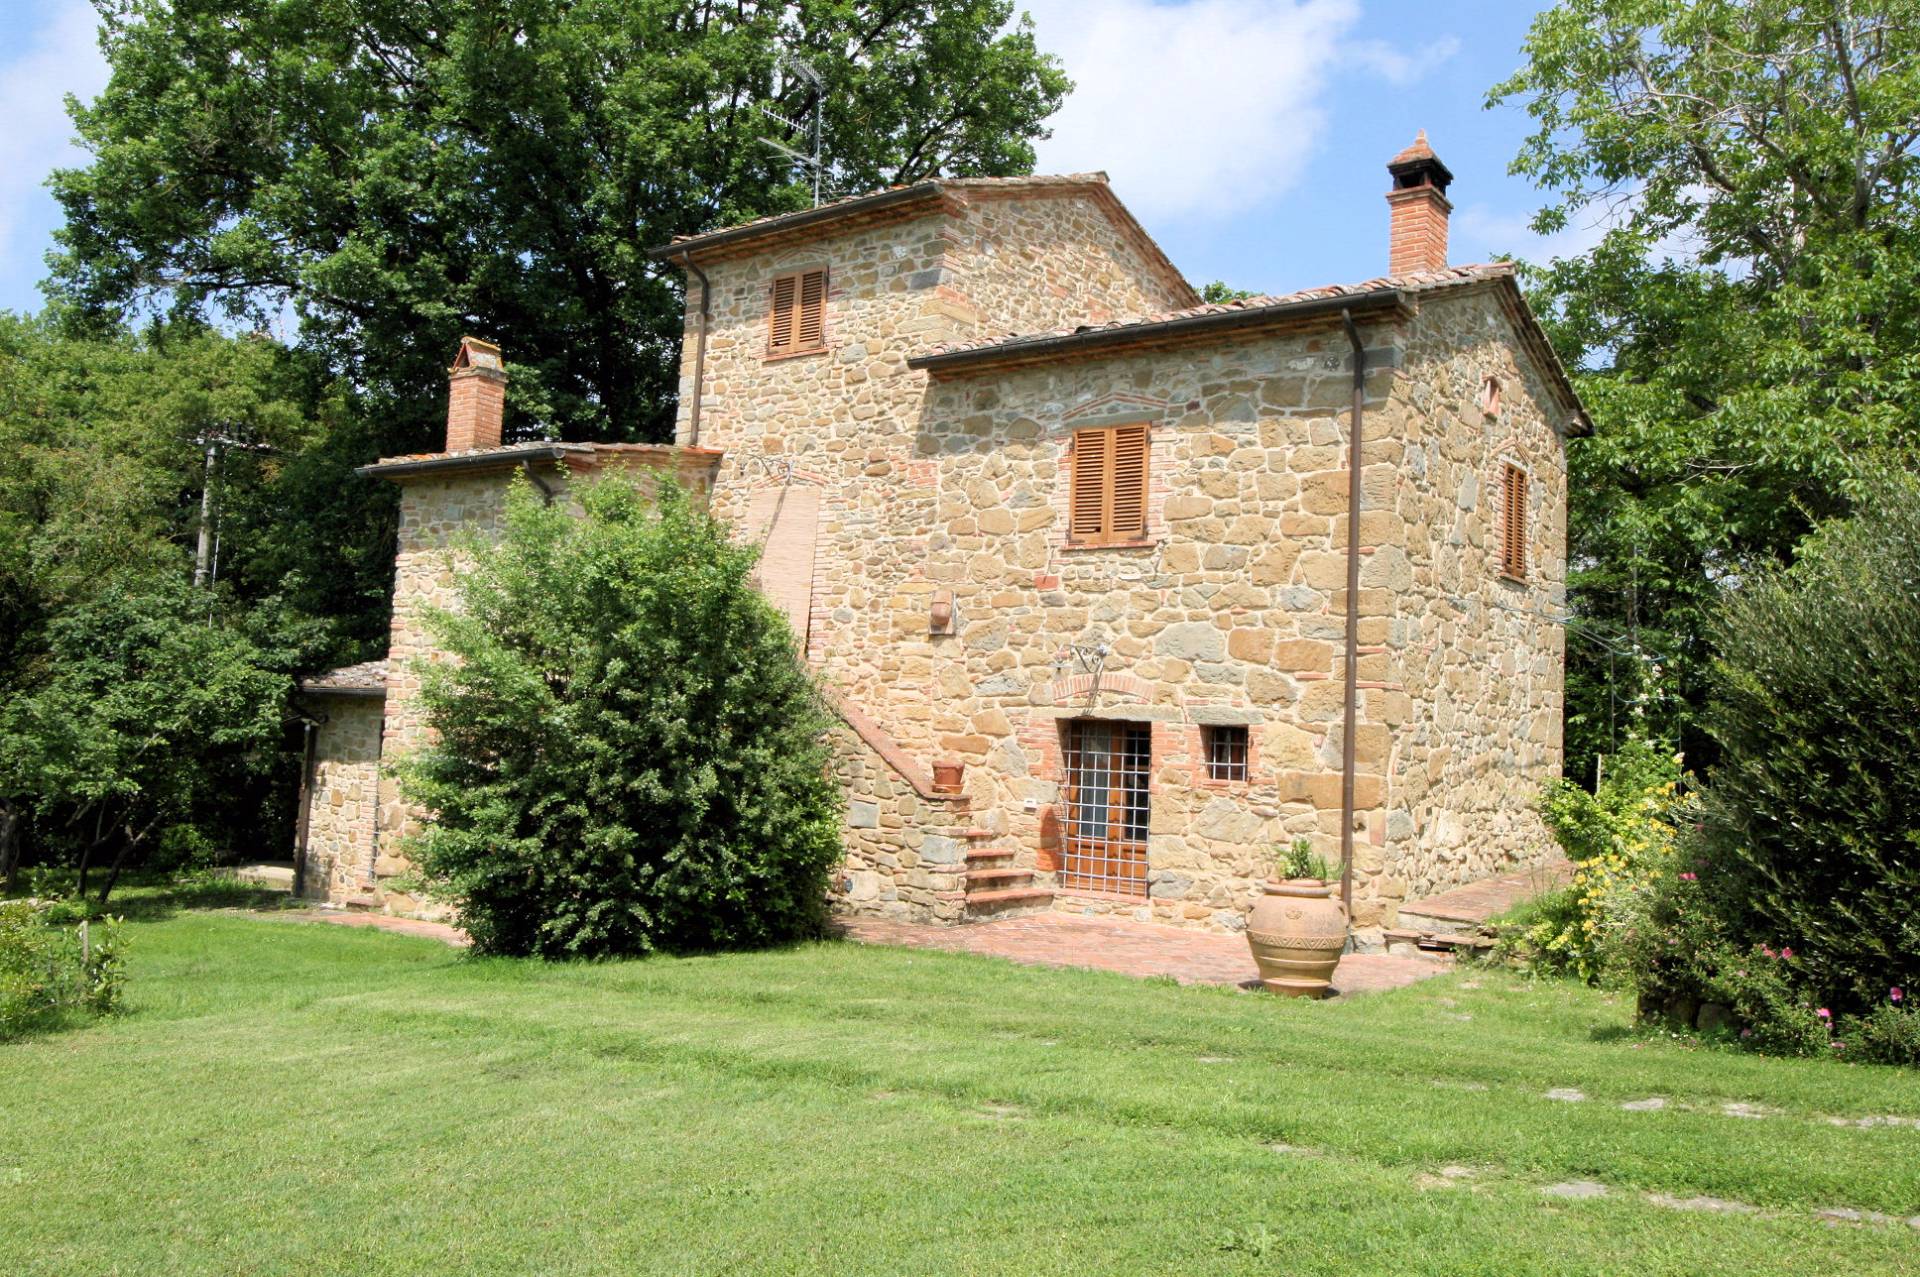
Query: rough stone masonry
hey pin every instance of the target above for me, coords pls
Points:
(908, 470)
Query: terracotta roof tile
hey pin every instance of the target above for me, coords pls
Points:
(368, 676)
(1414, 282)
(932, 184)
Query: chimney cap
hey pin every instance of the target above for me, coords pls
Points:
(475, 353)
(1419, 161)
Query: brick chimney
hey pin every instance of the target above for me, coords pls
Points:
(1419, 203)
(476, 396)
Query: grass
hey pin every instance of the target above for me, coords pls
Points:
(289, 1098)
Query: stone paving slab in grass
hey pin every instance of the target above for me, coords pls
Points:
(1131, 948)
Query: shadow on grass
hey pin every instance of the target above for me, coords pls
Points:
(156, 898)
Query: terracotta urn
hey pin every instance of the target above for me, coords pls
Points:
(1297, 932)
(948, 777)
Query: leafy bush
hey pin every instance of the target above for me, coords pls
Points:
(630, 755)
(51, 964)
(1810, 823)
(1888, 1034)
(1620, 839)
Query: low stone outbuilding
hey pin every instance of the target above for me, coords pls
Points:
(1071, 551)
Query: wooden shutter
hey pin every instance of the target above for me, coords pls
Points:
(1127, 520)
(1108, 485)
(812, 332)
(1089, 485)
(797, 317)
(780, 315)
(1513, 530)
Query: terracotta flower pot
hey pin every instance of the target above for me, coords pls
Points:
(947, 777)
(1297, 932)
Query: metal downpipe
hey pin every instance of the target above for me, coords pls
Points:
(1352, 692)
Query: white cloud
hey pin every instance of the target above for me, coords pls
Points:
(38, 136)
(1481, 232)
(1203, 109)
(1398, 67)
(1198, 109)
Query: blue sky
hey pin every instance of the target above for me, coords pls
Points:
(1250, 136)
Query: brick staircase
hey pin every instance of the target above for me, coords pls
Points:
(995, 886)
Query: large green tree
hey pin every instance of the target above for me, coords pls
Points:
(1748, 328)
(135, 709)
(396, 171)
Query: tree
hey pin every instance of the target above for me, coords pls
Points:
(398, 171)
(1810, 824)
(629, 753)
(1220, 293)
(1748, 327)
(102, 468)
(141, 712)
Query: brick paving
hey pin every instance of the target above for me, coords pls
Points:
(1138, 949)
(1131, 948)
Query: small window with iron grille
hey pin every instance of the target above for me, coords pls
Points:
(1226, 752)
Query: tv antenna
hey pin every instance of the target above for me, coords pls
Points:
(794, 69)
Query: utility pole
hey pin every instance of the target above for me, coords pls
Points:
(206, 551)
(203, 551)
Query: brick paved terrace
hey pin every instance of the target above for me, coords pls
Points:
(1130, 948)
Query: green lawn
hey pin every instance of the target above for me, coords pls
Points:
(288, 1098)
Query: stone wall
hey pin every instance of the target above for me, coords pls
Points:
(906, 851)
(346, 779)
(1479, 656)
(1231, 613)
(1028, 265)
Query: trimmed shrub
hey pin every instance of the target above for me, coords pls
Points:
(630, 756)
(53, 962)
(1810, 823)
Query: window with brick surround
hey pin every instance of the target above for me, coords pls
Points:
(797, 313)
(1513, 522)
(1107, 485)
(1226, 752)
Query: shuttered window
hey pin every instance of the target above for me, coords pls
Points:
(1108, 482)
(797, 316)
(1513, 522)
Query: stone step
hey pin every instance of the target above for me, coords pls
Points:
(980, 855)
(999, 904)
(1410, 942)
(977, 834)
(991, 879)
(362, 901)
(1436, 925)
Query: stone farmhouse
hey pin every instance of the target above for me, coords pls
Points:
(1106, 607)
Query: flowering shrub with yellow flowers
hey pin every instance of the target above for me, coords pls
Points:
(1620, 839)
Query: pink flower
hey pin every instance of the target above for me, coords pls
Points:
(1824, 1014)
(1894, 993)
(1746, 1033)
(1689, 877)
(1766, 950)
(1786, 953)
